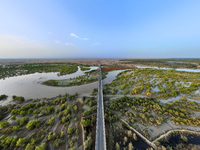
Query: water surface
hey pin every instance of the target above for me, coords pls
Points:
(187, 70)
(30, 86)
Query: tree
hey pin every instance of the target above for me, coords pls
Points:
(51, 121)
(15, 129)
(71, 143)
(135, 137)
(129, 133)
(135, 90)
(21, 141)
(66, 94)
(148, 92)
(35, 115)
(51, 136)
(125, 139)
(22, 113)
(62, 107)
(88, 142)
(4, 124)
(33, 123)
(22, 121)
(75, 108)
(77, 131)
(184, 138)
(3, 96)
(157, 143)
(41, 147)
(18, 98)
(62, 134)
(13, 117)
(57, 142)
(70, 130)
(130, 146)
(83, 98)
(57, 110)
(29, 147)
(117, 146)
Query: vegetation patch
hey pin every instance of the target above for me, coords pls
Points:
(140, 110)
(168, 63)
(154, 82)
(89, 77)
(23, 69)
(113, 68)
(3, 96)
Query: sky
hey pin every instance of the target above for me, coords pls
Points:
(99, 29)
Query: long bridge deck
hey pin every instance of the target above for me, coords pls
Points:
(100, 130)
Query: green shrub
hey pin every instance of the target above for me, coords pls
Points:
(4, 124)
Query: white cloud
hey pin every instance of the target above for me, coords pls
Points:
(84, 39)
(49, 32)
(57, 42)
(73, 35)
(95, 44)
(70, 44)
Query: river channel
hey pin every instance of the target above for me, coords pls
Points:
(31, 87)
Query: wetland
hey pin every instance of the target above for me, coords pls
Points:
(156, 102)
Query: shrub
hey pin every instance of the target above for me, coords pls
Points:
(41, 147)
(51, 121)
(4, 124)
(33, 123)
(13, 117)
(70, 130)
(15, 129)
(3, 96)
(21, 141)
(29, 147)
(77, 131)
(57, 142)
(22, 121)
(35, 115)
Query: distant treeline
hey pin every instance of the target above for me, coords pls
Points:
(15, 70)
(169, 63)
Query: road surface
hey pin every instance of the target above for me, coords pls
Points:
(100, 132)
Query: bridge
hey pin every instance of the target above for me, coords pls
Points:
(100, 128)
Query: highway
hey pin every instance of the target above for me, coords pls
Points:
(100, 130)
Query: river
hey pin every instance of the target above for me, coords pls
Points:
(30, 86)
(187, 70)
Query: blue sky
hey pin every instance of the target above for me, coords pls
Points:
(99, 29)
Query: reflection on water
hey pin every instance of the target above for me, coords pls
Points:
(177, 98)
(176, 139)
(111, 76)
(30, 87)
(187, 70)
(156, 89)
